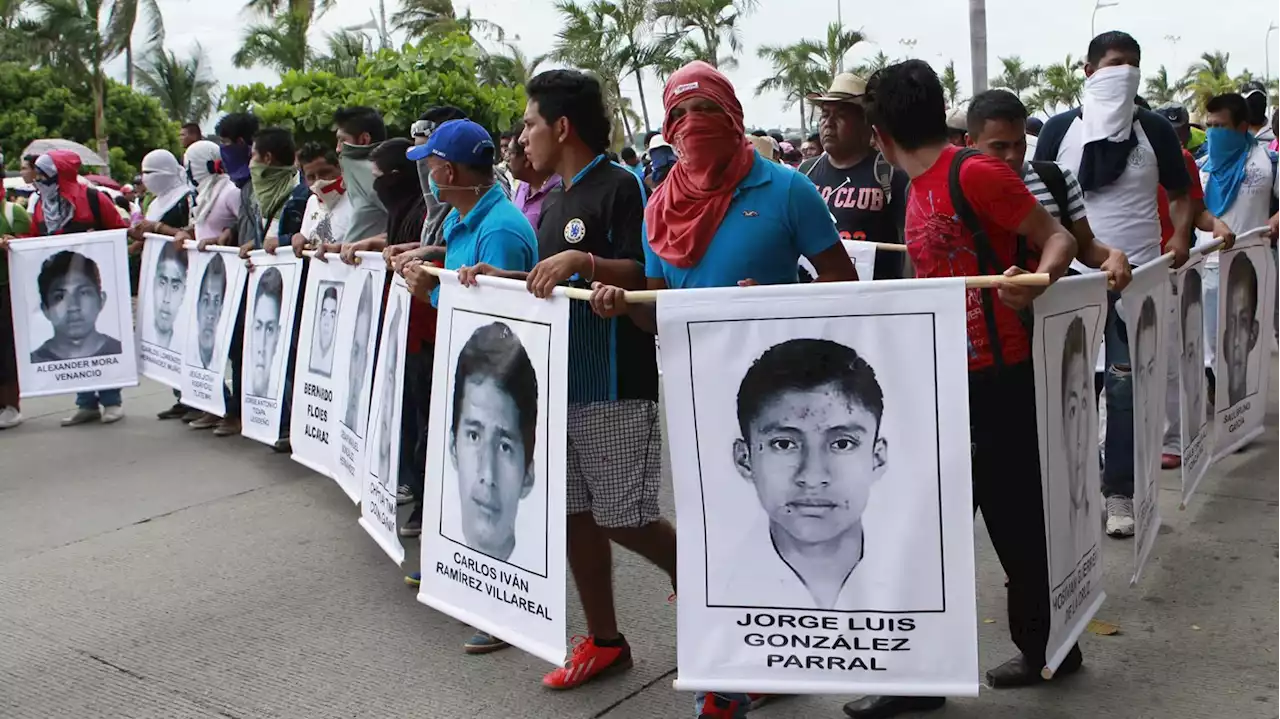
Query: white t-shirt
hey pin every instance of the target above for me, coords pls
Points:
(762, 578)
(319, 223)
(1123, 214)
(1252, 206)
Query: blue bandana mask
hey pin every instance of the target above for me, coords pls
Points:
(1228, 159)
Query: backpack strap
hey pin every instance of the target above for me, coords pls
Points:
(1051, 174)
(988, 263)
(94, 199)
(806, 167)
(883, 170)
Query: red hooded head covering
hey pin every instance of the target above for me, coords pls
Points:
(714, 156)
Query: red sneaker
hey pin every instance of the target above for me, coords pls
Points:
(1170, 461)
(588, 661)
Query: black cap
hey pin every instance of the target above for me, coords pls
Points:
(1253, 86)
(1035, 123)
(1175, 114)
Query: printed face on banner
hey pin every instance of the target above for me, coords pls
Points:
(809, 461)
(1191, 357)
(1148, 387)
(1242, 329)
(353, 415)
(489, 502)
(76, 320)
(1072, 469)
(210, 299)
(391, 358)
(168, 289)
(264, 333)
(325, 330)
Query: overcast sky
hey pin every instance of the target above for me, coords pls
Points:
(1040, 32)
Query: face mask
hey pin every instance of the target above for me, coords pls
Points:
(1108, 102)
(329, 191)
(1225, 144)
(235, 158)
(432, 187)
(704, 140)
(47, 182)
(436, 187)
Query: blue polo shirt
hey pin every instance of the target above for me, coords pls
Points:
(776, 215)
(494, 232)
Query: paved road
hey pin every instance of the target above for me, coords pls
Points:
(147, 570)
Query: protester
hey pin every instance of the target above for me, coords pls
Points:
(1255, 97)
(281, 197)
(811, 147)
(593, 232)
(28, 169)
(632, 161)
(865, 196)
(537, 189)
(190, 134)
(907, 110)
(14, 222)
(327, 215)
(957, 127)
(700, 233)
(358, 130)
(662, 157)
(66, 207)
(167, 206)
(1120, 186)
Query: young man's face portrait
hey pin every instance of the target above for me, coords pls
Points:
(72, 305)
(266, 331)
(1075, 425)
(169, 290)
(489, 457)
(328, 323)
(359, 355)
(208, 310)
(1192, 359)
(1239, 336)
(813, 456)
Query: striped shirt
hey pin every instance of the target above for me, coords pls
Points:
(1036, 186)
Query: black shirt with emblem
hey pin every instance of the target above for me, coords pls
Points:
(602, 212)
(856, 198)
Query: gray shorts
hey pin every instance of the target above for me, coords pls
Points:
(614, 462)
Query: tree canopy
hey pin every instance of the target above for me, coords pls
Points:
(401, 84)
(39, 103)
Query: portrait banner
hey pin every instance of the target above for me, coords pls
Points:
(379, 470)
(1193, 408)
(72, 315)
(820, 455)
(268, 335)
(863, 255)
(1069, 321)
(1246, 307)
(214, 299)
(162, 321)
(493, 529)
(1144, 308)
(331, 378)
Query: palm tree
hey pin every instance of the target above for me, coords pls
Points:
(120, 25)
(951, 84)
(184, 87)
(793, 76)
(70, 36)
(585, 41)
(1208, 77)
(878, 62)
(1160, 91)
(704, 25)
(512, 68)
(420, 19)
(829, 53)
(1062, 85)
(1017, 77)
(346, 47)
(280, 44)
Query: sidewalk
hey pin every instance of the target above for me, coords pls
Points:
(148, 570)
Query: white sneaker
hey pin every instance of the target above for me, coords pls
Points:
(1120, 516)
(81, 416)
(112, 413)
(10, 417)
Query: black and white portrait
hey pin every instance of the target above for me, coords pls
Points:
(819, 463)
(325, 329)
(263, 331)
(1242, 329)
(211, 295)
(387, 425)
(1072, 491)
(1148, 388)
(494, 496)
(78, 311)
(1191, 357)
(168, 291)
(353, 415)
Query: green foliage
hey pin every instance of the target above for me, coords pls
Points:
(37, 104)
(400, 84)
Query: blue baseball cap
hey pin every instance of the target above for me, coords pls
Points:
(460, 141)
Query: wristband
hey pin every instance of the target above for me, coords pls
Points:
(593, 267)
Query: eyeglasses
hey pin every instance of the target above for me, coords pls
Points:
(423, 128)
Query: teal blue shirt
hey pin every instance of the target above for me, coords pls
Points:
(494, 232)
(776, 215)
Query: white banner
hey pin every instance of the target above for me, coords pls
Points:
(162, 310)
(335, 360)
(380, 469)
(213, 295)
(1196, 439)
(1069, 321)
(268, 337)
(493, 539)
(863, 255)
(72, 320)
(794, 580)
(1144, 307)
(1246, 306)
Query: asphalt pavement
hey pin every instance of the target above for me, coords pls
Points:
(149, 570)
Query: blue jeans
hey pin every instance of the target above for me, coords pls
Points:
(744, 702)
(1117, 469)
(105, 398)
